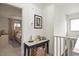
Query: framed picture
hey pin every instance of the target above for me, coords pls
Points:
(37, 22)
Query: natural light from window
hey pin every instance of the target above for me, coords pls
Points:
(75, 25)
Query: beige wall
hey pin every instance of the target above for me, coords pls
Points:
(10, 11)
(7, 11)
(4, 24)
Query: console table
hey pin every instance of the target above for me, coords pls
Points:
(30, 45)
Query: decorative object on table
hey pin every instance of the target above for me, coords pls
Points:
(43, 38)
(30, 39)
(38, 38)
(37, 22)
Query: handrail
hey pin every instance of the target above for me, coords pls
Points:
(63, 42)
(65, 37)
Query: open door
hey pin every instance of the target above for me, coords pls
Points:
(10, 28)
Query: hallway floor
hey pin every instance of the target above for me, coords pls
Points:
(9, 48)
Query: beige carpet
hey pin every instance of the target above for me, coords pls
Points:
(9, 48)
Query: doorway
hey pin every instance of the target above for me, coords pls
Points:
(10, 30)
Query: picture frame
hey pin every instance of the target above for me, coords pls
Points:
(37, 22)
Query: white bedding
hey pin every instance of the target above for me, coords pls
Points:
(18, 35)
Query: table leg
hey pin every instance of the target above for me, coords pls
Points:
(28, 51)
(24, 50)
(47, 47)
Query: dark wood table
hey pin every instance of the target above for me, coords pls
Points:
(30, 45)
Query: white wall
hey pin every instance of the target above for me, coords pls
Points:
(72, 12)
(47, 29)
(54, 20)
(59, 27)
(48, 17)
(50, 26)
(61, 13)
(28, 21)
(60, 21)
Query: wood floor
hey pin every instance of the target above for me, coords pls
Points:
(9, 48)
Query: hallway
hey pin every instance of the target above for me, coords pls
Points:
(9, 48)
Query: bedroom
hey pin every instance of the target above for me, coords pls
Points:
(10, 30)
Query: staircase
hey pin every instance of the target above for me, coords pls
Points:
(63, 45)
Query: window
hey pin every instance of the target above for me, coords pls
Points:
(75, 25)
(16, 25)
